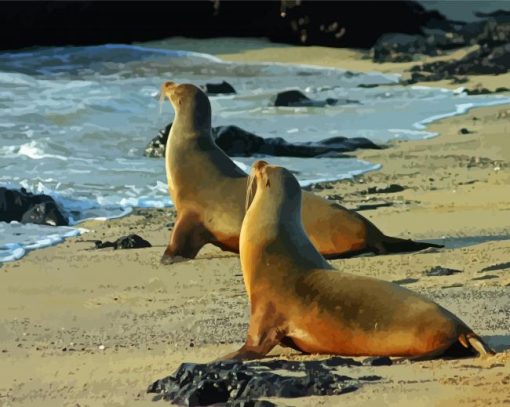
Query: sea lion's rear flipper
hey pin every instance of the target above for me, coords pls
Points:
(476, 343)
(397, 245)
(468, 345)
(187, 238)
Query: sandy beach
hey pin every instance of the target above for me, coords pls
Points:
(84, 327)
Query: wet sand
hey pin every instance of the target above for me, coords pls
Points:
(96, 327)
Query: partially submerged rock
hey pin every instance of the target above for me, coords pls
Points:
(237, 142)
(236, 382)
(296, 98)
(218, 88)
(25, 207)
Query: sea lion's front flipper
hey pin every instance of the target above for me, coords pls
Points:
(256, 349)
(188, 237)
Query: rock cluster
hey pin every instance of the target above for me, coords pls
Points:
(237, 142)
(337, 24)
(25, 207)
(237, 383)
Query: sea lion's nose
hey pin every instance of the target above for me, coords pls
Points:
(169, 85)
(259, 164)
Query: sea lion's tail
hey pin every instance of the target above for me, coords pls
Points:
(397, 245)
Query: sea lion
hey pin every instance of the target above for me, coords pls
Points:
(208, 191)
(298, 300)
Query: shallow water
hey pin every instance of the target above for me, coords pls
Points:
(75, 120)
(454, 242)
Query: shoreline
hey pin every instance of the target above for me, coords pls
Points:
(96, 327)
(424, 124)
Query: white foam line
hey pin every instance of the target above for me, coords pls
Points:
(169, 52)
(392, 77)
(462, 108)
(18, 250)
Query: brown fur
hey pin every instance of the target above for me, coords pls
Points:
(203, 180)
(296, 297)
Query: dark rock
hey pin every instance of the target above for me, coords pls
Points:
(401, 48)
(44, 213)
(485, 277)
(218, 88)
(405, 281)
(370, 378)
(295, 98)
(485, 91)
(338, 24)
(397, 47)
(237, 142)
(368, 85)
(441, 271)
(241, 384)
(25, 207)
(494, 267)
(484, 61)
(156, 147)
(465, 131)
(369, 207)
(377, 361)
(477, 91)
(384, 189)
(125, 242)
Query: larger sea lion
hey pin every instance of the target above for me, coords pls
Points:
(298, 300)
(208, 191)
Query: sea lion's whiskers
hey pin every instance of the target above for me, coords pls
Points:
(161, 98)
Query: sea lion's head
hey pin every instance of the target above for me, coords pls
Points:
(191, 105)
(273, 186)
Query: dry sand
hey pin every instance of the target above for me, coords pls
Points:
(95, 327)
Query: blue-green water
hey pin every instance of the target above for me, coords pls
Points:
(74, 122)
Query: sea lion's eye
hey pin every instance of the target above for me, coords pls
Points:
(268, 183)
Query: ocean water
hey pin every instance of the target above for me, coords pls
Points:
(74, 122)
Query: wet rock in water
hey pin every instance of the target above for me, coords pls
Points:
(25, 207)
(437, 271)
(125, 242)
(237, 142)
(240, 384)
(156, 147)
(295, 98)
(377, 361)
(218, 88)
(44, 213)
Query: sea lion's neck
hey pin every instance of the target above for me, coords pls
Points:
(188, 130)
(272, 244)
